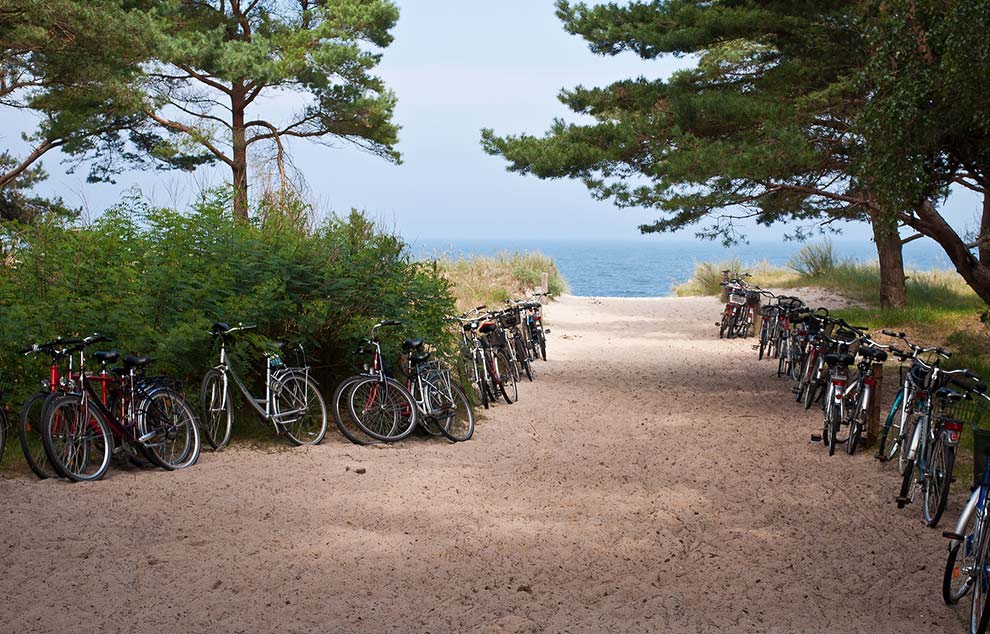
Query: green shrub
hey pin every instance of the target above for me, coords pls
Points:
(156, 279)
(493, 280)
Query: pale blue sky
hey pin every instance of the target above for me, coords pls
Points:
(456, 66)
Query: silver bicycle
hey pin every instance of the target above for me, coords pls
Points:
(292, 403)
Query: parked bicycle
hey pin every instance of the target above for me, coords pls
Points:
(292, 403)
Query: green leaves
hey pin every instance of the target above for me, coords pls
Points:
(156, 279)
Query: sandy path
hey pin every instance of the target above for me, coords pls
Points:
(652, 479)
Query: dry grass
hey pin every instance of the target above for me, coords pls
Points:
(707, 277)
(494, 280)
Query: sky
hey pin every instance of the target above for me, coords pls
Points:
(456, 67)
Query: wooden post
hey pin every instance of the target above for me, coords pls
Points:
(544, 282)
(724, 295)
(873, 416)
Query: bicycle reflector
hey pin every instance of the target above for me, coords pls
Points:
(953, 427)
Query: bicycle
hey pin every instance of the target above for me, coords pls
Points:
(292, 403)
(909, 398)
(932, 449)
(442, 404)
(82, 429)
(967, 566)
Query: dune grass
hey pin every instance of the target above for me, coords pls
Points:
(493, 280)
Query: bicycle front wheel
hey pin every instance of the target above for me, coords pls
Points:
(299, 409)
(383, 409)
(29, 433)
(77, 440)
(216, 409)
(960, 566)
(936, 488)
(169, 429)
(459, 425)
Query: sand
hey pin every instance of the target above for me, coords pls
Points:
(653, 479)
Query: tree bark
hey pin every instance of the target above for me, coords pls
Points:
(926, 220)
(893, 293)
(239, 165)
(984, 238)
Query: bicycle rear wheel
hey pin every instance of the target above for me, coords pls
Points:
(216, 409)
(299, 408)
(77, 440)
(936, 487)
(507, 386)
(383, 410)
(459, 426)
(889, 446)
(169, 429)
(29, 433)
(960, 565)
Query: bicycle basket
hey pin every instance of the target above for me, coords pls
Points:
(155, 382)
(739, 300)
(509, 320)
(974, 411)
(752, 298)
(767, 310)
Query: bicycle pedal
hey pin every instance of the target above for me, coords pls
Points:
(903, 501)
(881, 457)
(816, 437)
(955, 536)
(795, 390)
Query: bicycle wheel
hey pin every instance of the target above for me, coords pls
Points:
(885, 451)
(958, 578)
(908, 423)
(342, 415)
(724, 326)
(764, 338)
(298, 408)
(907, 481)
(857, 421)
(217, 409)
(524, 361)
(459, 426)
(979, 615)
(168, 429)
(783, 356)
(383, 409)
(835, 421)
(29, 433)
(936, 487)
(542, 340)
(507, 386)
(77, 442)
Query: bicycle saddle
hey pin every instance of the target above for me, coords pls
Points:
(219, 328)
(874, 354)
(419, 357)
(136, 362)
(412, 344)
(106, 356)
(840, 358)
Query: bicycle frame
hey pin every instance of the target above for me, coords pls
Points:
(263, 406)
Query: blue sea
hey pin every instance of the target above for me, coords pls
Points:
(652, 267)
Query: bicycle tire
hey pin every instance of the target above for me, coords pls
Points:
(57, 423)
(543, 344)
(763, 339)
(979, 615)
(453, 429)
(938, 482)
(341, 415)
(506, 381)
(907, 481)
(166, 413)
(835, 421)
(884, 451)
(29, 434)
(403, 414)
(295, 391)
(724, 325)
(216, 418)
(524, 361)
(857, 423)
(952, 590)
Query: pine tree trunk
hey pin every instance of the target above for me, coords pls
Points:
(927, 221)
(239, 167)
(984, 237)
(889, 251)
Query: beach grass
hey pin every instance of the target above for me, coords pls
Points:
(493, 280)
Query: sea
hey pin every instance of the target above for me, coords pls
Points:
(652, 267)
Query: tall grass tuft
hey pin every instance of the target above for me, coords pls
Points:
(814, 260)
(494, 280)
(707, 277)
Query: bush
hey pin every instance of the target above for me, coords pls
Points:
(814, 260)
(156, 279)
